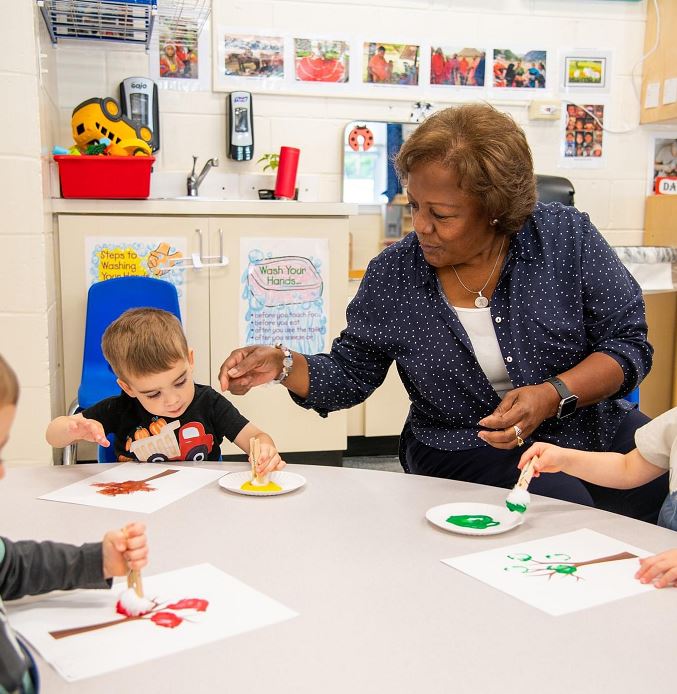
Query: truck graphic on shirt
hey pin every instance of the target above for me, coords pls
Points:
(192, 444)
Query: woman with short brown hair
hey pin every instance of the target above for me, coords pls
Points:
(509, 320)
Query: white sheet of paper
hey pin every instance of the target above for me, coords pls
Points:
(234, 608)
(165, 489)
(553, 592)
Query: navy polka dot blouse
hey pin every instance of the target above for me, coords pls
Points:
(562, 294)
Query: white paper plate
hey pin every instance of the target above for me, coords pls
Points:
(502, 520)
(289, 481)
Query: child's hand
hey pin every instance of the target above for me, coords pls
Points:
(82, 429)
(550, 458)
(124, 550)
(661, 569)
(269, 460)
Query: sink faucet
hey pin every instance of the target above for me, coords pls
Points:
(193, 182)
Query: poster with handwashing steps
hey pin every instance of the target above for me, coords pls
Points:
(284, 292)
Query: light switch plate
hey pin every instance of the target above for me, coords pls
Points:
(545, 109)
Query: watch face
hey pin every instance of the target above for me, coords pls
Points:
(567, 406)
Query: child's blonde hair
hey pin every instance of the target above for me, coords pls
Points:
(9, 385)
(144, 341)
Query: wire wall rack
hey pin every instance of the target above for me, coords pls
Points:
(126, 21)
(183, 19)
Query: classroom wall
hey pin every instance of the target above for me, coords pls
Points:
(194, 122)
(37, 108)
(28, 310)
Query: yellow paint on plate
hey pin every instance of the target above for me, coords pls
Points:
(270, 487)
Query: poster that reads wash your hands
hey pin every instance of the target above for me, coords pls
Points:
(285, 292)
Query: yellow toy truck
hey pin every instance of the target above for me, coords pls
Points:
(96, 118)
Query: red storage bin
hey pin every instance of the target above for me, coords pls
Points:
(94, 176)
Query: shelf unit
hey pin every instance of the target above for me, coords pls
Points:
(126, 21)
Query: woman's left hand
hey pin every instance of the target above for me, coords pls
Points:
(520, 413)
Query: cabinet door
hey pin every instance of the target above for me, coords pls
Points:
(83, 239)
(270, 407)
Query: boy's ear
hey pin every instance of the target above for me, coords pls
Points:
(126, 388)
(191, 357)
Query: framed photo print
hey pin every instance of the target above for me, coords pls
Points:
(583, 134)
(662, 174)
(520, 69)
(317, 60)
(457, 66)
(586, 70)
(390, 63)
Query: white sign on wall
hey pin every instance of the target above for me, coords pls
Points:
(284, 292)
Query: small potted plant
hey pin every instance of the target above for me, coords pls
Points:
(272, 161)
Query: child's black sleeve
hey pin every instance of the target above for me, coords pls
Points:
(107, 412)
(32, 568)
(227, 419)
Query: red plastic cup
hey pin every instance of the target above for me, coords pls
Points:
(285, 183)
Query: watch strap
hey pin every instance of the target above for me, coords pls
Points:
(560, 387)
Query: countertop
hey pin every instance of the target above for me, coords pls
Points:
(206, 206)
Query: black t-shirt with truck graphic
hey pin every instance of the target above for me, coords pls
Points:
(196, 435)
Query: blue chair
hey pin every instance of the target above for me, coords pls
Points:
(633, 397)
(106, 301)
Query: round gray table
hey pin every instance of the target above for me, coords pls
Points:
(353, 554)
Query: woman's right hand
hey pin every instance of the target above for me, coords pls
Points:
(247, 367)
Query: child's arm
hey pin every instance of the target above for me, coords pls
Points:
(65, 430)
(613, 470)
(661, 568)
(33, 568)
(269, 459)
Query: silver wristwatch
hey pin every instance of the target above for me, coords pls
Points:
(287, 363)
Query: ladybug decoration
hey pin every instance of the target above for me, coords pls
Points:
(361, 138)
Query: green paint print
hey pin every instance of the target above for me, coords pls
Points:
(475, 521)
(565, 567)
(515, 508)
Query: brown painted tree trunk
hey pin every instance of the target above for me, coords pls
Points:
(601, 560)
(62, 633)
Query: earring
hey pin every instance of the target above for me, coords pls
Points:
(493, 222)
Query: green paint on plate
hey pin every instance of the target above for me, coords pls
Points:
(476, 522)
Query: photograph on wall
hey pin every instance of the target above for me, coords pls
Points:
(179, 53)
(452, 66)
(285, 292)
(517, 70)
(250, 55)
(391, 63)
(583, 131)
(317, 60)
(663, 174)
(585, 72)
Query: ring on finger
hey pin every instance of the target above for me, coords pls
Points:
(518, 430)
(520, 441)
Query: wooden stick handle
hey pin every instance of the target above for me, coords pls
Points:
(527, 474)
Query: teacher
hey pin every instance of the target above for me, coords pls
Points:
(509, 321)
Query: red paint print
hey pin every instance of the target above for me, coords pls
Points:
(159, 615)
(130, 486)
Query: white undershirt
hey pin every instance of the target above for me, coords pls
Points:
(479, 326)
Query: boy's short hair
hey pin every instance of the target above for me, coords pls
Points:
(144, 341)
(9, 384)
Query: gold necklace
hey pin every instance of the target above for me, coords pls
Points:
(481, 301)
